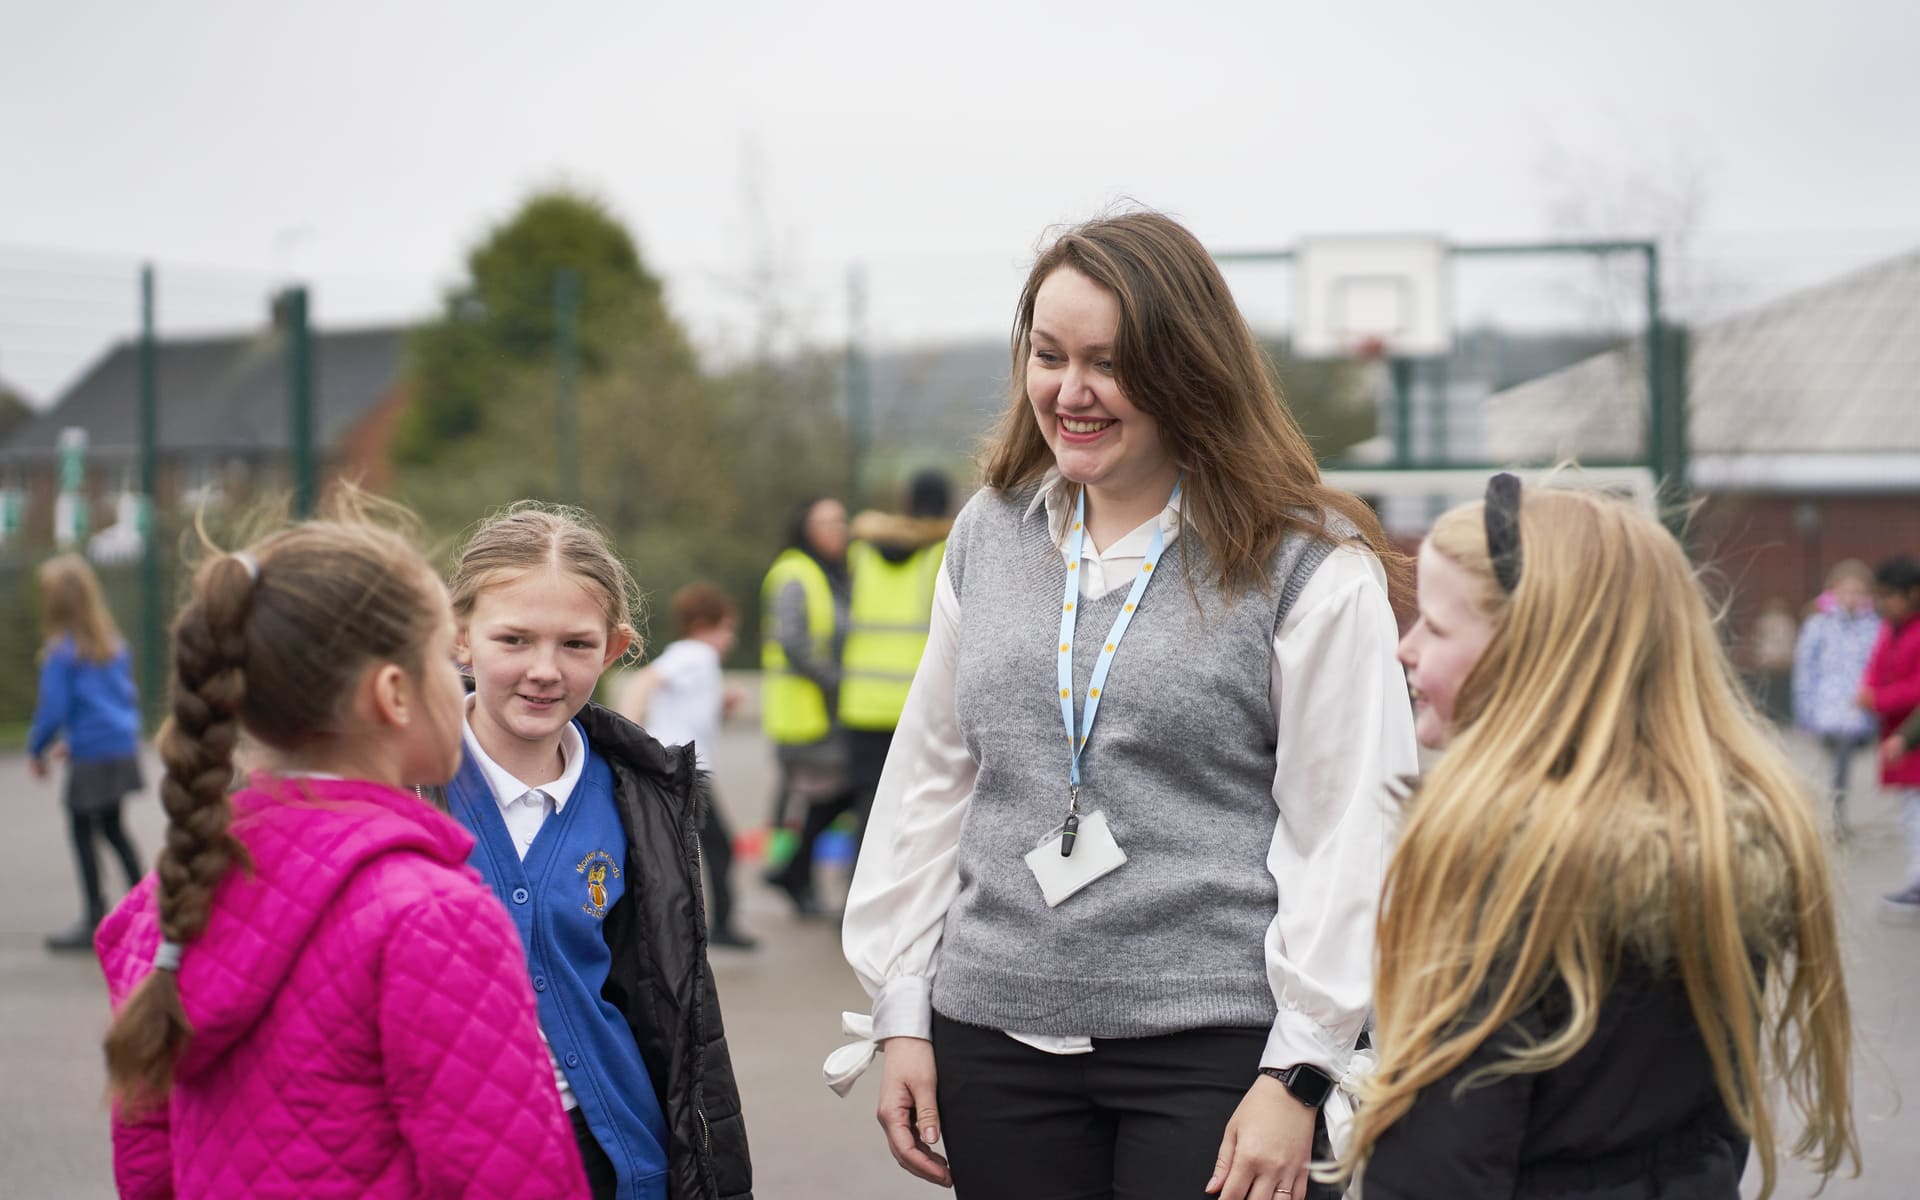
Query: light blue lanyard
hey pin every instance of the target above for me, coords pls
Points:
(1069, 606)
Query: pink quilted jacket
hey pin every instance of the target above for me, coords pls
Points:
(362, 1020)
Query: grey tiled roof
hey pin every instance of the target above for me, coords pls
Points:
(221, 394)
(1834, 369)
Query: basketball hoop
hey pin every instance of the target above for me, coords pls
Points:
(1372, 297)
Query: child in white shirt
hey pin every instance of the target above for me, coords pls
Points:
(680, 697)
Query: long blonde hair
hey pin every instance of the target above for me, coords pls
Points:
(71, 604)
(1636, 807)
(1185, 356)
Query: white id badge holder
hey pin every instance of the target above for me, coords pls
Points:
(1095, 854)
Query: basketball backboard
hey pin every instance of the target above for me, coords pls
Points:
(1372, 295)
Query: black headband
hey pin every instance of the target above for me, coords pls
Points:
(1502, 512)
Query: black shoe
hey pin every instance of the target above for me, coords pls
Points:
(728, 939)
(74, 940)
(805, 903)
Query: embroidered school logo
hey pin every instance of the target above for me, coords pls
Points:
(596, 867)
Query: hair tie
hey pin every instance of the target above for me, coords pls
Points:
(167, 956)
(251, 563)
(1502, 516)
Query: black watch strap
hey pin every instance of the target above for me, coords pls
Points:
(1308, 1084)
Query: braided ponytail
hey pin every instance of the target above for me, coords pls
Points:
(274, 641)
(196, 745)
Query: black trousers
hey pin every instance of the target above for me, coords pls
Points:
(716, 847)
(87, 829)
(798, 873)
(866, 759)
(1840, 752)
(1138, 1119)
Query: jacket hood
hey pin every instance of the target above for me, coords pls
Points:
(618, 738)
(1639, 883)
(306, 839)
(897, 536)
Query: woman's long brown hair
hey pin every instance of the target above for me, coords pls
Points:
(1185, 356)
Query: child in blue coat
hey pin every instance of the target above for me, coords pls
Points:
(87, 698)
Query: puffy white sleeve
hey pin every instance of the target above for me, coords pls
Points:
(1345, 734)
(908, 873)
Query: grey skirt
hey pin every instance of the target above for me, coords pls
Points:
(98, 786)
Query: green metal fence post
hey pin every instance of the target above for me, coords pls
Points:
(858, 385)
(152, 688)
(300, 398)
(566, 404)
(1401, 370)
(1656, 416)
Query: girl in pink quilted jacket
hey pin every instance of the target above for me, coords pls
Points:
(315, 996)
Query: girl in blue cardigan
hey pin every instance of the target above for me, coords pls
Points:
(87, 698)
(586, 828)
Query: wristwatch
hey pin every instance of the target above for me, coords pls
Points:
(1309, 1085)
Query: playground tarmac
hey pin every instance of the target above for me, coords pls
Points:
(782, 1004)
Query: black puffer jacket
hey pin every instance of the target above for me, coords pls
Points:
(1634, 1114)
(660, 979)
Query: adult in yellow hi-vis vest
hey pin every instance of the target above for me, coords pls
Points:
(803, 630)
(894, 564)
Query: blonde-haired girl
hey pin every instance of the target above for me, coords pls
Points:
(587, 829)
(87, 699)
(1608, 926)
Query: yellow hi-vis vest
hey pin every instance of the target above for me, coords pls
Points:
(886, 633)
(792, 707)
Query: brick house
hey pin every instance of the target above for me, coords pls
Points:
(1804, 420)
(223, 421)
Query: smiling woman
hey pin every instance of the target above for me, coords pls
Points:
(1184, 894)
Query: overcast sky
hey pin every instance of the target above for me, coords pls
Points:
(363, 146)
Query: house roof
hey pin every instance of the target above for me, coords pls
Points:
(1832, 370)
(224, 394)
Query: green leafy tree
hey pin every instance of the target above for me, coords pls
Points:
(692, 472)
(499, 324)
(14, 411)
(1328, 397)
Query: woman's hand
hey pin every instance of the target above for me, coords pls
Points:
(907, 1108)
(1267, 1149)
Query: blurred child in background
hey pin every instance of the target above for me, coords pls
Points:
(88, 699)
(1891, 692)
(1829, 661)
(681, 697)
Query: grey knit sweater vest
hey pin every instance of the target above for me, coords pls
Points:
(1181, 761)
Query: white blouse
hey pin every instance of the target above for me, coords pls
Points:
(1344, 732)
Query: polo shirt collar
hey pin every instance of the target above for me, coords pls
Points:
(507, 789)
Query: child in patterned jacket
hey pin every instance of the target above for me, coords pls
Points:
(314, 995)
(1828, 662)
